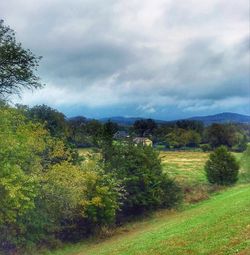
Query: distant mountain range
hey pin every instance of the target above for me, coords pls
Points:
(127, 120)
(225, 117)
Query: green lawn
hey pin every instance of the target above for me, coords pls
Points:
(219, 225)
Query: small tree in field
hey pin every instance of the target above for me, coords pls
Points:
(222, 167)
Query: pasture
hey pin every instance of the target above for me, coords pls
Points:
(186, 167)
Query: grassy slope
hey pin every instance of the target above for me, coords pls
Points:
(220, 225)
(244, 176)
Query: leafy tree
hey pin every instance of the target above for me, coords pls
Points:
(17, 65)
(94, 129)
(193, 138)
(43, 195)
(140, 172)
(219, 134)
(108, 131)
(179, 137)
(194, 125)
(53, 120)
(21, 142)
(141, 127)
(222, 167)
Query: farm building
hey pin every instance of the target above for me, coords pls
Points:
(121, 135)
(143, 140)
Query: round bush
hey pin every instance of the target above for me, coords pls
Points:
(222, 167)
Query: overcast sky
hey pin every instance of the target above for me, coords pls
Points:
(164, 59)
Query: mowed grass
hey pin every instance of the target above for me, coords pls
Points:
(219, 225)
(244, 176)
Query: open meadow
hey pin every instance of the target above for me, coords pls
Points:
(186, 167)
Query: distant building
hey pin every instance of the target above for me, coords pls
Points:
(119, 135)
(143, 140)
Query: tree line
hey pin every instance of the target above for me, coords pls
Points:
(83, 132)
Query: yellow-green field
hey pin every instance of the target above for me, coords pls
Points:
(186, 167)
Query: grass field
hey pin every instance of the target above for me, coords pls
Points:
(186, 167)
(219, 225)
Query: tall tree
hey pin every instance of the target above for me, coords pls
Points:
(142, 126)
(17, 65)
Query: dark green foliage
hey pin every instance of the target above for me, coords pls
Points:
(206, 147)
(85, 133)
(17, 65)
(222, 167)
(219, 134)
(140, 172)
(54, 120)
(144, 127)
(194, 125)
(108, 131)
(179, 137)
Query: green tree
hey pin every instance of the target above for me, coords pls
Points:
(53, 120)
(17, 65)
(141, 127)
(43, 195)
(222, 167)
(221, 134)
(140, 172)
(108, 131)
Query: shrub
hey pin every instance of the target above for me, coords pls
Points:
(206, 147)
(140, 172)
(222, 167)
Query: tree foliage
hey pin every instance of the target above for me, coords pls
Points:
(17, 65)
(144, 127)
(219, 134)
(53, 120)
(222, 167)
(44, 194)
(140, 172)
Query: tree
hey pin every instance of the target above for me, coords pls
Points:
(108, 131)
(222, 167)
(140, 172)
(195, 125)
(17, 65)
(219, 134)
(54, 120)
(43, 194)
(142, 127)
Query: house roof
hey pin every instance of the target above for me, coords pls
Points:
(141, 139)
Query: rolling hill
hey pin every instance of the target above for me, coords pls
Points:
(226, 117)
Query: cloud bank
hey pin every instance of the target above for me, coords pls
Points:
(161, 58)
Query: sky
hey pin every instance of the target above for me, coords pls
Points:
(164, 59)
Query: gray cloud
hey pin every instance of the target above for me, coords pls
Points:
(187, 55)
